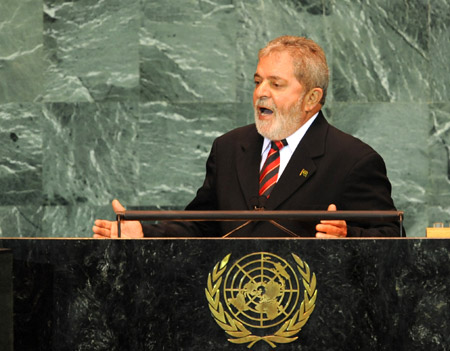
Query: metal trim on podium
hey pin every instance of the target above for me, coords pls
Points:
(261, 215)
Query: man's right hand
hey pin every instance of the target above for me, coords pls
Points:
(104, 229)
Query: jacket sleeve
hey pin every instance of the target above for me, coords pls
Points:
(367, 187)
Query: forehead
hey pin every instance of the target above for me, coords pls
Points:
(276, 64)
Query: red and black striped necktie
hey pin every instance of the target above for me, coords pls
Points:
(269, 173)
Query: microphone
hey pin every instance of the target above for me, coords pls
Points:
(258, 202)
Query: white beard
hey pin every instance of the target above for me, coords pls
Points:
(282, 123)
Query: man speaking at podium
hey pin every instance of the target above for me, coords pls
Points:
(289, 159)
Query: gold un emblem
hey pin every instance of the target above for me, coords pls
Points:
(261, 294)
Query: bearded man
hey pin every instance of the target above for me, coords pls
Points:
(289, 159)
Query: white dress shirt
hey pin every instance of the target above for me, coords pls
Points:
(286, 152)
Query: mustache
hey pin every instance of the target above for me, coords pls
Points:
(262, 102)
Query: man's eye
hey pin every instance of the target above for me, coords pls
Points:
(257, 82)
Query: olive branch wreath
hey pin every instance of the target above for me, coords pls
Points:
(238, 331)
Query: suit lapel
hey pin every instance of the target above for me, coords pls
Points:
(247, 165)
(301, 166)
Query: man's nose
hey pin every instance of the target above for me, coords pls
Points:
(262, 90)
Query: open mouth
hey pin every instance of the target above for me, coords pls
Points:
(265, 111)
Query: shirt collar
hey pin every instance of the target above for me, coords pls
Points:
(293, 139)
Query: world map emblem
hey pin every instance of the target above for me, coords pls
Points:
(261, 297)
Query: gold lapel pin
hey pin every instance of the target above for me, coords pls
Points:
(303, 173)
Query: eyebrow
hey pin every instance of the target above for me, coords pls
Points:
(256, 75)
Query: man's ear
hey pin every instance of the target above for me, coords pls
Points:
(312, 98)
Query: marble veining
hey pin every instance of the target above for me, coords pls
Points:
(91, 51)
(105, 99)
(150, 294)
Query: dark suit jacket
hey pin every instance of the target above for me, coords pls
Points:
(340, 169)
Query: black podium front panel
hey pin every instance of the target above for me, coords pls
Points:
(163, 294)
(6, 301)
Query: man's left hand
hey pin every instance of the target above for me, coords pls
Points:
(331, 229)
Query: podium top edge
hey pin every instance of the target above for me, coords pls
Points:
(260, 215)
(416, 238)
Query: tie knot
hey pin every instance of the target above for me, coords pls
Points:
(278, 144)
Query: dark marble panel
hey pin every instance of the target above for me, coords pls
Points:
(6, 300)
(187, 52)
(89, 152)
(68, 221)
(439, 50)
(186, 10)
(21, 154)
(396, 131)
(380, 50)
(261, 21)
(200, 53)
(21, 54)
(91, 50)
(438, 190)
(18, 221)
(183, 133)
(150, 294)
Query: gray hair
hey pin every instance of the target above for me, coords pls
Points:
(310, 63)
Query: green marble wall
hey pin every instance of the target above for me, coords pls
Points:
(104, 99)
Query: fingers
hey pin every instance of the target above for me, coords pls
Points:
(337, 230)
(333, 228)
(327, 236)
(332, 207)
(117, 206)
(102, 229)
(103, 223)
